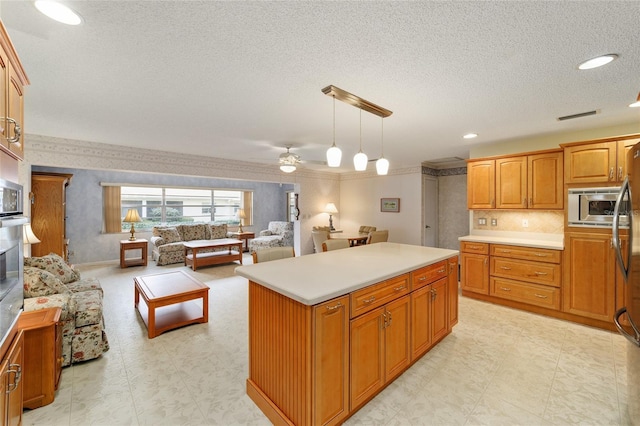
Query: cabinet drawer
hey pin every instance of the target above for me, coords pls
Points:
(377, 295)
(469, 247)
(533, 294)
(526, 253)
(535, 272)
(428, 274)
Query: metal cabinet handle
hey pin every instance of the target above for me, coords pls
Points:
(504, 251)
(611, 173)
(422, 279)
(620, 173)
(334, 307)
(399, 288)
(434, 293)
(530, 202)
(506, 268)
(369, 300)
(524, 202)
(441, 271)
(390, 319)
(540, 296)
(540, 273)
(18, 131)
(505, 289)
(542, 254)
(17, 370)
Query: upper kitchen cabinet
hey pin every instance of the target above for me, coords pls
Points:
(533, 181)
(12, 82)
(481, 184)
(600, 161)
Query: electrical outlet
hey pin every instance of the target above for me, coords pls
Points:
(482, 221)
(525, 223)
(494, 222)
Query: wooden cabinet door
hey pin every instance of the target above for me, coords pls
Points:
(474, 272)
(481, 179)
(15, 110)
(14, 396)
(545, 179)
(511, 183)
(367, 356)
(331, 361)
(420, 321)
(4, 86)
(623, 148)
(396, 337)
(590, 163)
(453, 291)
(439, 327)
(588, 288)
(48, 213)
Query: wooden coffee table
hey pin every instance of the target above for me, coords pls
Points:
(197, 258)
(170, 301)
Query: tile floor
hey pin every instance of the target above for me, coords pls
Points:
(498, 367)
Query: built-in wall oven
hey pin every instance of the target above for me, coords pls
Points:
(11, 272)
(594, 207)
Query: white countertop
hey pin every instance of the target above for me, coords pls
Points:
(315, 278)
(548, 241)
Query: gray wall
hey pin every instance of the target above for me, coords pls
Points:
(84, 206)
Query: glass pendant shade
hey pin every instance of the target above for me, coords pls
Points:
(360, 161)
(334, 156)
(382, 166)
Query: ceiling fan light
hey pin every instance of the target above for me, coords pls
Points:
(382, 166)
(288, 168)
(360, 161)
(334, 156)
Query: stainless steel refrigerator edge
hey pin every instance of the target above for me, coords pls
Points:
(627, 318)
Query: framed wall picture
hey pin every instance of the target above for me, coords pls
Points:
(390, 205)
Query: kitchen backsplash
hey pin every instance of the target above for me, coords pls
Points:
(548, 222)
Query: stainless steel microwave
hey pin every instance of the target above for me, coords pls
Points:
(10, 198)
(593, 207)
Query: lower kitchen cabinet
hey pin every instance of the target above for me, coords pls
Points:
(453, 291)
(379, 348)
(590, 275)
(11, 367)
(331, 372)
(474, 259)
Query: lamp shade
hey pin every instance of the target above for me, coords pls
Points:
(330, 208)
(132, 216)
(288, 168)
(242, 214)
(382, 166)
(360, 161)
(334, 156)
(28, 237)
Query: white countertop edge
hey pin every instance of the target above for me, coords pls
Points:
(316, 278)
(553, 241)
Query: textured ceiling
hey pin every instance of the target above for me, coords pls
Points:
(241, 80)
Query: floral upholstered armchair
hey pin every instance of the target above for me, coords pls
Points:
(50, 283)
(278, 234)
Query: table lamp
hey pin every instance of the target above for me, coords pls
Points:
(331, 209)
(28, 237)
(132, 217)
(242, 215)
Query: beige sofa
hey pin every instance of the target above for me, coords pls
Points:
(166, 243)
(50, 283)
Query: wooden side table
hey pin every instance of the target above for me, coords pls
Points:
(42, 355)
(141, 245)
(244, 236)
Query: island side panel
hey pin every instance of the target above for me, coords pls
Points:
(279, 356)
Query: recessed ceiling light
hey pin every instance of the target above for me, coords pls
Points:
(597, 62)
(470, 136)
(58, 12)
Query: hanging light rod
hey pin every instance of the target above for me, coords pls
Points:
(356, 101)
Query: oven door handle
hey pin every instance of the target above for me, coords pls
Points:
(616, 319)
(616, 229)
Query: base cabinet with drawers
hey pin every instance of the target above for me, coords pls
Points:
(474, 261)
(11, 369)
(339, 354)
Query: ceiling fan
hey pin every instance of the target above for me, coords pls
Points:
(289, 161)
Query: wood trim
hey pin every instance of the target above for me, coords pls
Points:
(607, 139)
(7, 45)
(516, 154)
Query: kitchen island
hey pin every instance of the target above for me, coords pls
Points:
(328, 331)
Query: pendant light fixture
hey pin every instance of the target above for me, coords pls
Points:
(360, 159)
(382, 164)
(334, 154)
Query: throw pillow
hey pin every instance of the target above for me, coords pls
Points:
(193, 232)
(56, 265)
(169, 235)
(38, 282)
(218, 231)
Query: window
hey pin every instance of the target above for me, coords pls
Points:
(175, 206)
